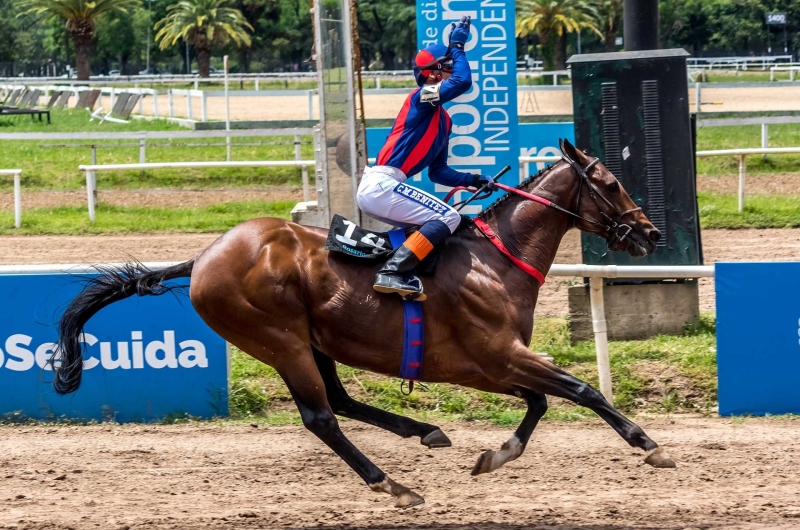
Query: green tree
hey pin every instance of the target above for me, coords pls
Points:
(81, 17)
(552, 20)
(204, 23)
(609, 14)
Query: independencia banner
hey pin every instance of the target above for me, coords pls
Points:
(145, 358)
(484, 135)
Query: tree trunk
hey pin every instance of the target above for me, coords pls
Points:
(82, 34)
(203, 61)
(561, 52)
(611, 39)
(546, 49)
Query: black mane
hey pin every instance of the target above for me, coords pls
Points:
(522, 185)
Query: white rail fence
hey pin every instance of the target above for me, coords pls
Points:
(789, 67)
(17, 174)
(596, 274)
(92, 170)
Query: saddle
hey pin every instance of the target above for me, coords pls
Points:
(349, 239)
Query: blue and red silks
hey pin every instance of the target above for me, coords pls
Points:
(413, 343)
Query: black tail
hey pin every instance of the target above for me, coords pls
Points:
(113, 284)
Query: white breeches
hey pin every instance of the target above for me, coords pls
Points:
(384, 195)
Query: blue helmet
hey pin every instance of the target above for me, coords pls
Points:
(434, 57)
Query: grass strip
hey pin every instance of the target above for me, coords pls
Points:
(760, 211)
(74, 220)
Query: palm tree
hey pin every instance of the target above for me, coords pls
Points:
(204, 23)
(609, 18)
(81, 16)
(552, 20)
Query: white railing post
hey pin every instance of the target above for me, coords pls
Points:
(304, 168)
(90, 193)
(113, 99)
(310, 104)
(256, 84)
(196, 84)
(697, 100)
(764, 137)
(205, 106)
(155, 103)
(17, 199)
(189, 105)
(378, 82)
(94, 155)
(600, 329)
(142, 152)
(170, 103)
(742, 171)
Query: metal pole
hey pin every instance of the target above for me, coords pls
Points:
(149, 3)
(227, 110)
(142, 153)
(189, 104)
(304, 169)
(90, 194)
(94, 155)
(155, 103)
(640, 25)
(188, 61)
(765, 137)
(311, 105)
(601, 337)
(204, 110)
(742, 170)
(17, 200)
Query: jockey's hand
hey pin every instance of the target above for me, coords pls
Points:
(459, 33)
(478, 181)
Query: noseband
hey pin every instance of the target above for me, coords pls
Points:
(616, 227)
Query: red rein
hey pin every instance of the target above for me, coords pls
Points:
(495, 239)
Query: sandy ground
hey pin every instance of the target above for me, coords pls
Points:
(540, 102)
(732, 475)
(718, 245)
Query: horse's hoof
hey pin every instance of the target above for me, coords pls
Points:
(408, 499)
(658, 457)
(403, 497)
(484, 463)
(436, 439)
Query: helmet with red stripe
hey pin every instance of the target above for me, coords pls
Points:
(433, 59)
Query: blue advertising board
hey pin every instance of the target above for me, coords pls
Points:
(758, 337)
(484, 136)
(535, 139)
(146, 358)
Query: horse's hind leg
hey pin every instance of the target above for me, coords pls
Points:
(344, 405)
(528, 370)
(308, 390)
(513, 448)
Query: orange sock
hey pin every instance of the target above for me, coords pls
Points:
(419, 245)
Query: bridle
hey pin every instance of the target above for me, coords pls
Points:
(618, 230)
(616, 227)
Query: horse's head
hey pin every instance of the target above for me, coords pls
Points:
(605, 207)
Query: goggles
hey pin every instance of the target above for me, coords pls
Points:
(444, 63)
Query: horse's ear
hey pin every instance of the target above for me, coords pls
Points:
(561, 144)
(568, 149)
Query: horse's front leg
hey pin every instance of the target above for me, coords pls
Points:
(523, 368)
(513, 448)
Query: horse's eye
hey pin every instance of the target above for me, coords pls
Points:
(613, 187)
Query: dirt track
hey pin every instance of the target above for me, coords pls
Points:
(718, 245)
(573, 476)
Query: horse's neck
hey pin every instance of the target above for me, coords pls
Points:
(534, 230)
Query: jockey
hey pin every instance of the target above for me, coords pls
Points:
(419, 140)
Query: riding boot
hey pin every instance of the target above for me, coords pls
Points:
(397, 275)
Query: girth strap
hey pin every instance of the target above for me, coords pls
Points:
(496, 241)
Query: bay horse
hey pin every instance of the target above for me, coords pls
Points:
(270, 288)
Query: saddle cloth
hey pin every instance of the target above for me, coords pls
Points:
(350, 239)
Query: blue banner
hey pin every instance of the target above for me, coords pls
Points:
(484, 136)
(146, 358)
(535, 139)
(758, 337)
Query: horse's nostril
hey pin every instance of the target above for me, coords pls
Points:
(654, 235)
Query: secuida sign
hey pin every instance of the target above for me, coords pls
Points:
(484, 136)
(145, 358)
